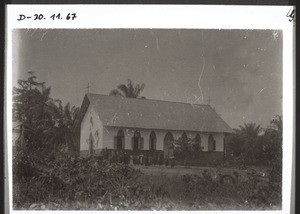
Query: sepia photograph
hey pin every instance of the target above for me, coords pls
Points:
(147, 119)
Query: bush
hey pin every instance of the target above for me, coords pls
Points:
(254, 193)
(80, 179)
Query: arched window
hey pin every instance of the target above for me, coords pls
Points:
(169, 137)
(137, 141)
(120, 140)
(152, 141)
(211, 143)
(184, 136)
(168, 145)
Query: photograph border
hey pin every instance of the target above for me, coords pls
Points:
(241, 17)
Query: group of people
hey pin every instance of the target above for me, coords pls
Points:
(116, 156)
(147, 160)
(126, 157)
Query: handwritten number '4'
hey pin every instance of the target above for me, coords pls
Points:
(291, 15)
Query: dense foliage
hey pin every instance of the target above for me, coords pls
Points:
(251, 193)
(44, 170)
(187, 147)
(44, 123)
(253, 145)
(80, 179)
(45, 128)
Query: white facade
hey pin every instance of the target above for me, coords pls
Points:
(91, 127)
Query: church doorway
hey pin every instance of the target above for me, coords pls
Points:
(152, 141)
(91, 144)
(168, 145)
(120, 139)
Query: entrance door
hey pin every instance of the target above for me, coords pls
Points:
(120, 139)
(91, 144)
(119, 143)
(135, 143)
(168, 145)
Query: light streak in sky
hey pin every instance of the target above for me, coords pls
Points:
(202, 71)
(199, 80)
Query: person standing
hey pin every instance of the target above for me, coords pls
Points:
(131, 160)
(160, 160)
(154, 159)
(166, 162)
(142, 159)
(146, 160)
(150, 160)
(172, 160)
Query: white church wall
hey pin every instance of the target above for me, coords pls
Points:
(110, 132)
(219, 138)
(91, 124)
(108, 137)
(204, 141)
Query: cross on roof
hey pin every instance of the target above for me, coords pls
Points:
(88, 88)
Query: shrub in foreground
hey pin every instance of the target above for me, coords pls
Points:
(81, 179)
(253, 194)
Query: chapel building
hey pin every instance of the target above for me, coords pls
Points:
(145, 125)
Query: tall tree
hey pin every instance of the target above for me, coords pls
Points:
(45, 123)
(30, 100)
(272, 140)
(130, 90)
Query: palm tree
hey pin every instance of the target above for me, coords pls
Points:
(248, 138)
(130, 90)
(249, 130)
(244, 141)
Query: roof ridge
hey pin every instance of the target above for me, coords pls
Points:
(152, 100)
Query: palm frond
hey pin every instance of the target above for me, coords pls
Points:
(130, 86)
(124, 90)
(138, 89)
(128, 90)
(115, 92)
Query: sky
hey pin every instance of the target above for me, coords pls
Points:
(237, 72)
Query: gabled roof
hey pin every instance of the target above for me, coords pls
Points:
(154, 114)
